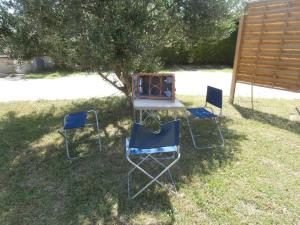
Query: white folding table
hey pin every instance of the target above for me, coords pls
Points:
(147, 108)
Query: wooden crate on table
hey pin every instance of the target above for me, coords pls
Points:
(160, 86)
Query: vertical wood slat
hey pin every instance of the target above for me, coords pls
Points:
(236, 59)
(262, 29)
(282, 43)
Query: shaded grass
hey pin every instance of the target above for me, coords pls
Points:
(254, 179)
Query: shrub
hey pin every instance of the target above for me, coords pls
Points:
(217, 52)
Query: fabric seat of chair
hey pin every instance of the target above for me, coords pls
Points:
(143, 138)
(75, 120)
(201, 113)
(142, 151)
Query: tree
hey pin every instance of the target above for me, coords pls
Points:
(120, 36)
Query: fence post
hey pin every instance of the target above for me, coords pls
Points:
(236, 59)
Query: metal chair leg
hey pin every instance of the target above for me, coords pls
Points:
(191, 132)
(137, 166)
(153, 179)
(169, 172)
(98, 130)
(131, 171)
(209, 146)
(220, 133)
(67, 145)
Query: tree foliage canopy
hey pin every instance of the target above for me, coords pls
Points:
(123, 36)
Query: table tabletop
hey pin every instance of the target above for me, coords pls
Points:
(150, 104)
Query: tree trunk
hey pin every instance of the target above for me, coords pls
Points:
(125, 78)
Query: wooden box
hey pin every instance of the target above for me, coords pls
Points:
(153, 86)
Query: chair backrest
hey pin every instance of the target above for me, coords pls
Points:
(142, 137)
(214, 96)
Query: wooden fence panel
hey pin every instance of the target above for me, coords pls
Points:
(268, 46)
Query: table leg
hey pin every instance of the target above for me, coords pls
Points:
(175, 115)
(141, 116)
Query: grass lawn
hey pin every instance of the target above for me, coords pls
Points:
(254, 179)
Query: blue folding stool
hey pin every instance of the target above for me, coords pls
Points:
(214, 97)
(147, 145)
(76, 121)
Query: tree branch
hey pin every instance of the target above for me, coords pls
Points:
(122, 89)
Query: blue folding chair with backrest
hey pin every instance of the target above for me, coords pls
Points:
(158, 147)
(79, 120)
(213, 97)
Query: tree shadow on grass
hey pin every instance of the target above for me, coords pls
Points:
(38, 186)
(205, 161)
(268, 118)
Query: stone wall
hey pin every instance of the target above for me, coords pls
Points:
(6, 65)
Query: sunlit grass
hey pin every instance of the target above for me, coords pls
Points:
(254, 179)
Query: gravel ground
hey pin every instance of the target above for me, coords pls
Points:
(188, 82)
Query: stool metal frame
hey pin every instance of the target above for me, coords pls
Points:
(78, 122)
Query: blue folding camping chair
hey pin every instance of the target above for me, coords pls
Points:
(79, 120)
(214, 97)
(158, 147)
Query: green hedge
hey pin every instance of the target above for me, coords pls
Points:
(218, 52)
